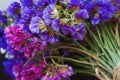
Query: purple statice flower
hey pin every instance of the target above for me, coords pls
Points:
(65, 71)
(8, 64)
(37, 25)
(77, 32)
(65, 29)
(45, 36)
(103, 11)
(43, 2)
(3, 19)
(52, 77)
(3, 43)
(34, 24)
(58, 73)
(18, 58)
(48, 12)
(81, 31)
(27, 12)
(106, 10)
(83, 14)
(34, 46)
(117, 1)
(31, 71)
(89, 6)
(73, 3)
(56, 25)
(13, 9)
(26, 2)
(95, 21)
(16, 37)
(52, 1)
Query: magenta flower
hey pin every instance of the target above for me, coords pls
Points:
(16, 36)
(66, 71)
(34, 45)
(29, 72)
(58, 72)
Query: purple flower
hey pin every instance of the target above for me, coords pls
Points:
(26, 14)
(89, 6)
(47, 14)
(34, 45)
(53, 77)
(106, 11)
(3, 43)
(82, 14)
(57, 72)
(73, 3)
(45, 36)
(3, 20)
(34, 24)
(81, 31)
(100, 10)
(77, 32)
(67, 72)
(14, 9)
(29, 72)
(65, 29)
(8, 64)
(26, 2)
(117, 1)
(95, 21)
(55, 25)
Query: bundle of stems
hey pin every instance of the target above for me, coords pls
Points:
(100, 55)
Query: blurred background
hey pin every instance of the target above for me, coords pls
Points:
(5, 3)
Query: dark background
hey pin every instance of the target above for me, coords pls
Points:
(4, 76)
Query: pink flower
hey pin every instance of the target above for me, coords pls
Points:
(65, 71)
(31, 71)
(58, 72)
(16, 36)
(34, 45)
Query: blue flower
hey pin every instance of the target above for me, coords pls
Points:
(3, 20)
(3, 43)
(95, 21)
(117, 1)
(73, 3)
(81, 31)
(34, 24)
(106, 11)
(26, 2)
(89, 6)
(65, 29)
(13, 9)
(83, 13)
(8, 64)
(55, 25)
(47, 14)
(45, 36)
(26, 14)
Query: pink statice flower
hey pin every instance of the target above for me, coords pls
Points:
(16, 37)
(35, 45)
(65, 71)
(58, 72)
(31, 71)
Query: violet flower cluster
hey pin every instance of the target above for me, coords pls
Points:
(38, 24)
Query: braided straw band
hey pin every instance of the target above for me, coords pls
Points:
(116, 72)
